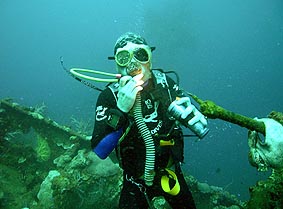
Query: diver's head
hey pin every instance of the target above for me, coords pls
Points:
(133, 55)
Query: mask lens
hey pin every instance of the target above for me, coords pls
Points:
(123, 58)
(141, 55)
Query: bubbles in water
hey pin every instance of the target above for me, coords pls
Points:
(139, 17)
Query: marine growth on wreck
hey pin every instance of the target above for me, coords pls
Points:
(47, 165)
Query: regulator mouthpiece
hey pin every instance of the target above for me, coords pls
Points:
(134, 69)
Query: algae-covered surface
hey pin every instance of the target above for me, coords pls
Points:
(51, 166)
(46, 165)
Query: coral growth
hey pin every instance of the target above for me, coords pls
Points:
(85, 181)
(43, 151)
(81, 126)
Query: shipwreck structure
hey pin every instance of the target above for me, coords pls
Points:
(47, 165)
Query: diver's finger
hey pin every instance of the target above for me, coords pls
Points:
(138, 77)
(136, 90)
(123, 81)
(132, 83)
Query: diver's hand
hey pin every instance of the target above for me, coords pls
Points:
(128, 89)
(190, 108)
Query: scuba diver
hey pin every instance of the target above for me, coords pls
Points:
(140, 117)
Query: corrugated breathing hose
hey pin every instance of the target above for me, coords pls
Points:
(148, 141)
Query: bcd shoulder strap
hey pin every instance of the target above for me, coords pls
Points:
(160, 78)
(162, 91)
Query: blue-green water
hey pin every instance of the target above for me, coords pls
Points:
(230, 52)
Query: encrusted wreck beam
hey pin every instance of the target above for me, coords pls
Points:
(213, 111)
(14, 117)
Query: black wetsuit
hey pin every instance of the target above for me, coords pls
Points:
(131, 152)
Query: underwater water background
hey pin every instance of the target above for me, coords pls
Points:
(230, 52)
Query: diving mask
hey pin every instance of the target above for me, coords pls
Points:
(140, 52)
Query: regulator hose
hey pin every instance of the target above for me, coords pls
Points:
(148, 141)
